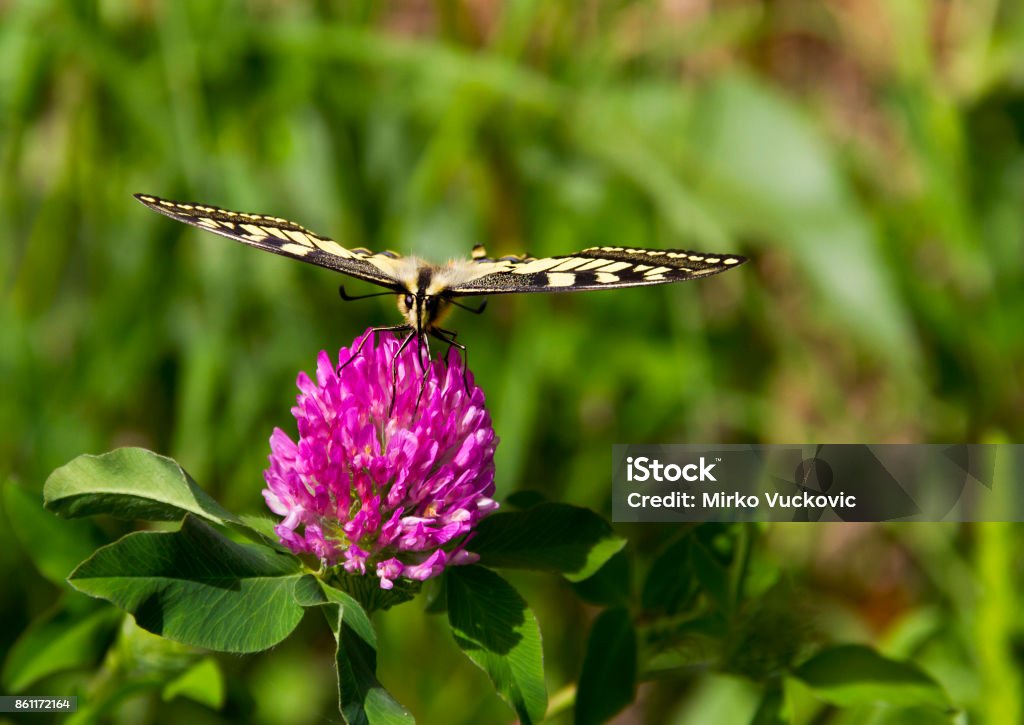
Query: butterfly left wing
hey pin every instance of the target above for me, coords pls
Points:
(280, 236)
(593, 268)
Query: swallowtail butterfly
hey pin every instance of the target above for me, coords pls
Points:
(427, 291)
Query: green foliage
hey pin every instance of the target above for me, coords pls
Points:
(553, 537)
(495, 628)
(203, 682)
(609, 585)
(54, 546)
(852, 674)
(197, 587)
(130, 482)
(608, 680)
(66, 638)
(360, 693)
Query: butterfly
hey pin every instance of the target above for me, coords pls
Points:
(426, 292)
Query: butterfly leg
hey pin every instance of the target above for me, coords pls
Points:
(394, 368)
(424, 343)
(372, 331)
(448, 336)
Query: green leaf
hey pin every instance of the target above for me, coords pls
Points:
(203, 682)
(712, 574)
(671, 583)
(261, 529)
(139, 662)
(71, 637)
(850, 674)
(54, 546)
(100, 708)
(608, 680)
(524, 499)
(366, 590)
(197, 587)
(919, 715)
(799, 703)
(308, 591)
(361, 696)
(572, 541)
(353, 612)
(493, 626)
(769, 710)
(681, 643)
(130, 483)
(610, 585)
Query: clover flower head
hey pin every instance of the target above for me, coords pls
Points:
(391, 489)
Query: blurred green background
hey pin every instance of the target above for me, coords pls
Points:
(868, 157)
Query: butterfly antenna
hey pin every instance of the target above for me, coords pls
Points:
(352, 298)
(474, 310)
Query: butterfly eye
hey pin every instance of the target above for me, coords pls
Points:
(409, 301)
(431, 304)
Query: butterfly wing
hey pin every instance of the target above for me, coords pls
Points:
(590, 269)
(281, 236)
(594, 268)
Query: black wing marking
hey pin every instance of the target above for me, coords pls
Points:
(591, 269)
(281, 236)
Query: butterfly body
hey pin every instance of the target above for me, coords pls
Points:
(426, 291)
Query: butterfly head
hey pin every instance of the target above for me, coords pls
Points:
(423, 311)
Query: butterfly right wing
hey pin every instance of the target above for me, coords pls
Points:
(280, 236)
(590, 269)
